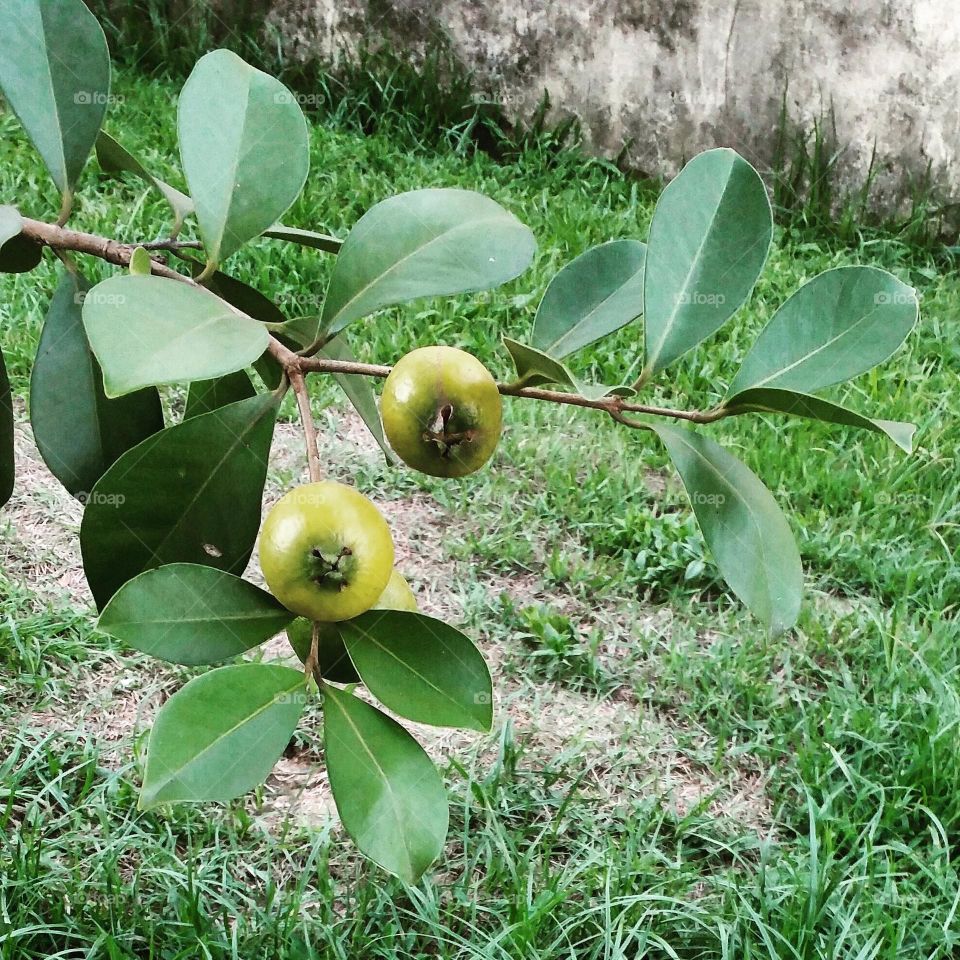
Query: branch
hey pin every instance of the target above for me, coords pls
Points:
(60, 238)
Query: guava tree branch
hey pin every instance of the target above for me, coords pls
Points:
(295, 365)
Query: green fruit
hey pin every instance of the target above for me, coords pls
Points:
(441, 411)
(332, 657)
(326, 552)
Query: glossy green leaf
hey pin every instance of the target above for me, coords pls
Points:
(421, 668)
(306, 238)
(206, 395)
(220, 735)
(188, 613)
(770, 400)
(332, 658)
(359, 392)
(421, 244)
(148, 331)
(708, 243)
(78, 431)
(835, 327)
(744, 528)
(189, 494)
(536, 369)
(7, 465)
(243, 143)
(592, 296)
(18, 254)
(114, 159)
(390, 796)
(55, 73)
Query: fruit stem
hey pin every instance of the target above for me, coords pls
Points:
(312, 667)
(306, 419)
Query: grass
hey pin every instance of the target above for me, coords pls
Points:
(851, 722)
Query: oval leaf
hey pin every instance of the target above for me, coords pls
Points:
(78, 431)
(147, 331)
(708, 242)
(244, 147)
(206, 395)
(766, 400)
(113, 159)
(187, 613)
(189, 494)
(55, 72)
(389, 795)
(744, 528)
(592, 296)
(7, 465)
(421, 244)
(221, 734)
(421, 668)
(835, 327)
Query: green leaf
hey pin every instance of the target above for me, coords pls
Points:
(592, 296)
(7, 465)
(744, 528)
(220, 735)
(18, 254)
(206, 395)
(114, 159)
(421, 668)
(140, 263)
(306, 238)
(189, 494)
(359, 392)
(768, 400)
(188, 613)
(55, 73)
(390, 796)
(536, 369)
(708, 242)
(78, 431)
(244, 147)
(422, 244)
(835, 327)
(147, 331)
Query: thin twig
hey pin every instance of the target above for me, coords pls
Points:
(60, 238)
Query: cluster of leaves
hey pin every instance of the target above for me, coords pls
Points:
(172, 512)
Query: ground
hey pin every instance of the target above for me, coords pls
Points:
(662, 779)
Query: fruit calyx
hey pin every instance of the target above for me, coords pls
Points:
(327, 571)
(437, 432)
